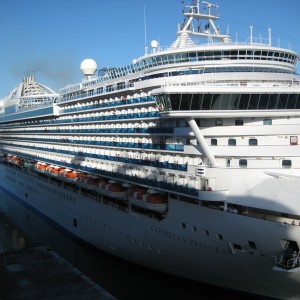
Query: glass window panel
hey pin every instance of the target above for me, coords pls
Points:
(216, 101)
(292, 102)
(286, 163)
(219, 123)
(282, 101)
(196, 102)
(263, 101)
(186, 102)
(254, 100)
(252, 142)
(232, 142)
(239, 122)
(294, 140)
(244, 101)
(267, 121)
(192, 56)
(225, 103)
(234, 101)
(272, 101)
(214, 142)
(298, 103)
(206, 103)
(243, 162)
(175, 101)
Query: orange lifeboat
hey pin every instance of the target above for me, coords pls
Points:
(40, 167)
(71, 175)
(150, 200)
(111, 189)
(87, 181)
(54, 171)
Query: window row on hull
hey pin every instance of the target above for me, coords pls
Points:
(108, 142)
(228, 101)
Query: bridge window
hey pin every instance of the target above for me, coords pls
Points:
(225, 103)
(216, 101)
(254, 100)
(263, 101)
(206, 103)
(292, 101)
(175, 101)
(235, 101)
(244, 101)
(239, 122)
(196, 102)
(272, 101)
(282, 101)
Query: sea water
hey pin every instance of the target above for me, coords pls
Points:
(21, 228)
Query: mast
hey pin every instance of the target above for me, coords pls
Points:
(208, 30)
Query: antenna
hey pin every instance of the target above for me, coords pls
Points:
(146, 49)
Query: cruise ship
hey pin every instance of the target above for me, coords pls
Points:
(186, 160)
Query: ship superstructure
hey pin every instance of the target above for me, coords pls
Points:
(186, 160)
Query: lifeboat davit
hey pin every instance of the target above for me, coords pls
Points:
(148, 199)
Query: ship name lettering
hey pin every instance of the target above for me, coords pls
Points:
(168, 234)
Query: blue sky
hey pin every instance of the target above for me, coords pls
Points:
(50, 38)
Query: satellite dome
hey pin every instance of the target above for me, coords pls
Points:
(154, 44)
(88, 67)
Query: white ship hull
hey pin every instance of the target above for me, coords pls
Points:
(211, 130)
(200, 250)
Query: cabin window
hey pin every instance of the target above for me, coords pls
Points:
(243, 162)
(232, 142)
(286, 163)
(219, 236)
(252, 142)
(239, 122)
(267, 121)
(74, 222)
(219, 123)
(214, 142)
(206, 232)
(252, 245)
(294, 140)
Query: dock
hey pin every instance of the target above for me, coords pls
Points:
(40, 273)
